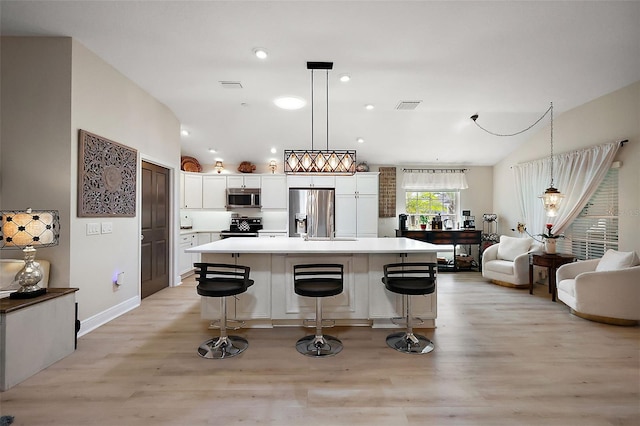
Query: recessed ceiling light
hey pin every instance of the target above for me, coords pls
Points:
(273, 150)
(360, 140)
(289, 102)
(184, 132)
(368, 106)
(212, 150)
(260, 53)
(345, 77)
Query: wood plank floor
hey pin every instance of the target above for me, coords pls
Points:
(502, 357)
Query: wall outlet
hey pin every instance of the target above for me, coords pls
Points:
(107, 227)
(93, 228)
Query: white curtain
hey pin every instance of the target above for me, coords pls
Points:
(577, 175)
(426, 181)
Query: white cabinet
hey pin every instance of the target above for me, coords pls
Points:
(186, 260)
(214, 192)
(357, 206)
(274, 192)
(241, 181)
(204, 238)
(272, 234)
(311, 181)
(190, 191)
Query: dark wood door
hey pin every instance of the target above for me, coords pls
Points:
(155, 229)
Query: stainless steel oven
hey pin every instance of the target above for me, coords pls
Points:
(242, 227)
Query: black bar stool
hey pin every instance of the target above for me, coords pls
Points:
(318, 280)
(222, 280)
(410, 279)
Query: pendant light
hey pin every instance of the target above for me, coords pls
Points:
(552, 197)
(320, 161)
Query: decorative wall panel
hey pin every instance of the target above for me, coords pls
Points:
(106, 177)
(387, 192)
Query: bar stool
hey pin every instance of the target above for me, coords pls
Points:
(318, 280)
(222, 280)
(410, 279)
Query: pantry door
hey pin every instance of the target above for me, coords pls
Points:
(155, 229)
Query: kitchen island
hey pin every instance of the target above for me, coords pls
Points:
(271, 301)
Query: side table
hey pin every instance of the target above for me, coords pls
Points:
(552, 262)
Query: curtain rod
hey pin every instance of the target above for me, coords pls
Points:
(434, 170)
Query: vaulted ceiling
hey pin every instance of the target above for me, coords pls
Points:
(503, 60)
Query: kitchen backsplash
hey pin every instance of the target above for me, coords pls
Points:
(219, 220)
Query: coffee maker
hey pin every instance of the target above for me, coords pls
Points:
(402, 222)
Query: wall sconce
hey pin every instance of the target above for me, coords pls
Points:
(273, 166)
(218, 166)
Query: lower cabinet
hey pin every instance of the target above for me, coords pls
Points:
(186, 260)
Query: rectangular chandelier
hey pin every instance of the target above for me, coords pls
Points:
(320, 161)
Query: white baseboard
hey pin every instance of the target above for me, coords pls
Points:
(104, 317)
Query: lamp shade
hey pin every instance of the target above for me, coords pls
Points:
(551, 200)
(29, 228)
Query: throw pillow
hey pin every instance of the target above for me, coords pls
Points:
(511, 247)
(614, 260)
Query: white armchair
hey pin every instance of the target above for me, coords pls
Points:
(604, 290)
(507, 263)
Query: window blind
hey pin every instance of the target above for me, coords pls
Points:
(595, 230)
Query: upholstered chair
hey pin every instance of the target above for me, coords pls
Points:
(604, 290)
(507, 263)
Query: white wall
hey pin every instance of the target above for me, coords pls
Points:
(51, 88)
(610, 118)
(106, 103)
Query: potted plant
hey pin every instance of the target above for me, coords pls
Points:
(550, 239)
(423, 221)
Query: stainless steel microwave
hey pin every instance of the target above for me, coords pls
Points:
(242, 198)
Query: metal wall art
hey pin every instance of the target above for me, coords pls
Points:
(106, 177)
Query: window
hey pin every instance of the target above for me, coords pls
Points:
(595, 230)
(429, 204)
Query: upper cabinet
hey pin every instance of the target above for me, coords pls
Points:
(310, 181)
(190, 191)
(358, 184)
(356, 205)
(242, 181)
(274, 192)
(214, 189)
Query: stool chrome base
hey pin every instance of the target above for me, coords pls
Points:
(319, 346)
(223, 347)
(410, 343)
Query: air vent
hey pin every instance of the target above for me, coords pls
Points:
(231, 84)
(408, 105)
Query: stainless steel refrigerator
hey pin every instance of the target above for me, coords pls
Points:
(311, 212)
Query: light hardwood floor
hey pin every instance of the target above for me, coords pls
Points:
(502, 357)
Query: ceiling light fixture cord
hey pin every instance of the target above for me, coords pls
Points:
(551, 109)
(475, 118)
(327, 72)
(311, 110)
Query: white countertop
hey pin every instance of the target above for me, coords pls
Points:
(298, 245)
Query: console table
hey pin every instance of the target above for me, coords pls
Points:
(552, 262)
(35, 333)
(447, 236)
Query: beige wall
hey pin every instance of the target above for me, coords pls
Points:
(51, 88)
(35, 133)
(477, 198)
(612, 117)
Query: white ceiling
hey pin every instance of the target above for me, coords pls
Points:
(503, 60)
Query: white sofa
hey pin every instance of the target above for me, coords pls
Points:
(604, 290)
(10, 267)
(507, 263)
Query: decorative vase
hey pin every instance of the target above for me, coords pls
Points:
(550, 245)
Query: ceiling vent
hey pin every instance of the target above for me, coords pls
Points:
(408, 105)
(231, 84)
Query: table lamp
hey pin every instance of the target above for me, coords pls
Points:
(26, 230)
